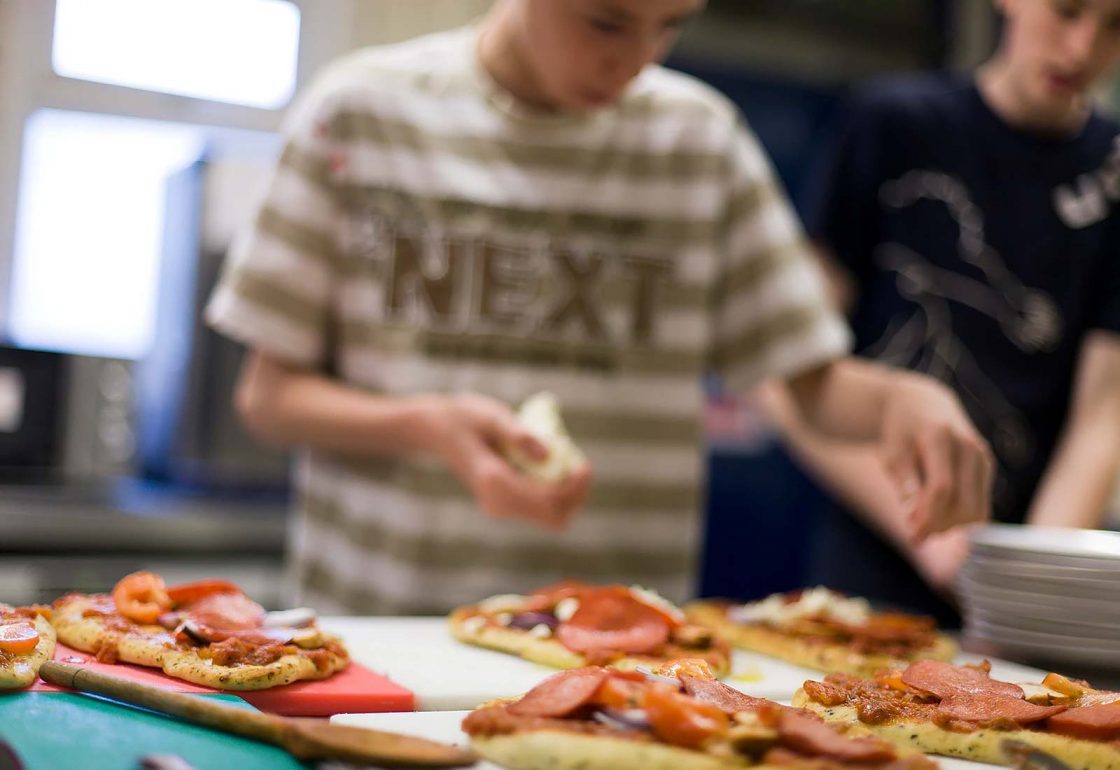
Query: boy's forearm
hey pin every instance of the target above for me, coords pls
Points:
(851, 471)
(289, 407)
(1077, 487)
(844, 400)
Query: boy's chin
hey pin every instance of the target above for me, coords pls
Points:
(590, 101)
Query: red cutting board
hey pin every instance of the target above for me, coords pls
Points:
(351, 691)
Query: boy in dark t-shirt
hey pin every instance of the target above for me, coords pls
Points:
(973, 223)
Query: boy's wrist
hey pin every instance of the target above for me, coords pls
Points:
(420, 425)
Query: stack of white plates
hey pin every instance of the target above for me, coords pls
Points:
(1043, 594)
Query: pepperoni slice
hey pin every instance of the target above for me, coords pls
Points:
(560, 694)
(809, 735)
(1093, 722)
(227, 611)
(945, 679)
(611, 618)
(719, 694)
(891, 627)
(257, 636)
(983, 707)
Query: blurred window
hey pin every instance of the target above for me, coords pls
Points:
(110, 99)
(235, 51)
(89, 230)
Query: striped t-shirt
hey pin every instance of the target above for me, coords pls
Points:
(426, 233)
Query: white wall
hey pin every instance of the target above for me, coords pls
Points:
(388, 21)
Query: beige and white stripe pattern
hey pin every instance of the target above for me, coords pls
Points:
(424, 234)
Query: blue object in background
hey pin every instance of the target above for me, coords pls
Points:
(760, 513)
(796, 122)
(761, 508)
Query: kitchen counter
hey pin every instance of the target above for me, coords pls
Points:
(127, 514)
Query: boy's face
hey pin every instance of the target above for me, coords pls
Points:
(1060, 48)
(585, 53)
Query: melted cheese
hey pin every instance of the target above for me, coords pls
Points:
(815, 602)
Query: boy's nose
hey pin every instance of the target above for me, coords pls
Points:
(1082, 42)
(627, 63)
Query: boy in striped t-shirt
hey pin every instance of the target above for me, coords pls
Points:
(464, 219)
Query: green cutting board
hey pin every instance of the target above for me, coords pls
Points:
(64, 731)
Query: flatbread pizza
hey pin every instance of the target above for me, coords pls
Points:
(960, 711)
(26, 640)
(208, 633)
(596, 718)
(574, 624)
(823, 630)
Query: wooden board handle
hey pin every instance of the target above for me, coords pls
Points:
(250, 724)
(304, 738)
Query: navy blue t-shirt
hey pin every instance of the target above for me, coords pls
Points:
(983, 255)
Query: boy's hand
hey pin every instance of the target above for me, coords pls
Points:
(941, 465)
(471, 433)
(939, 559)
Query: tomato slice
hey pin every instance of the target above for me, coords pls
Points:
(141, 597)
(681, 720)
(621, 692)
(694, 667)
(18, 637)
(610, 618)
(185, 593)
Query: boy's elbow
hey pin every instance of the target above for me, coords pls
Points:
(254, 401)
(251, 409)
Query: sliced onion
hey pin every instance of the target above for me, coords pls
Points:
(300, 617)
(188, 628)
(201, 634)
(528, 620)
(170, 620)
(622, 719)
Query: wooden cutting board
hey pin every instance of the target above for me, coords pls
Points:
(356, 689)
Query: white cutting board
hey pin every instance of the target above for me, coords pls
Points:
(421, 655)
(446, 675)
(443, 726)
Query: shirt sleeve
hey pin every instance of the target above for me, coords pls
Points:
(772, 317)
(277, 286)
(846, 217)
(1107, 307)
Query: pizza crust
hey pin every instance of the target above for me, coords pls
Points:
(559, 750)
(546, 651)
(21, 670)
(830, 658)
(154, 646)
(979, 746)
